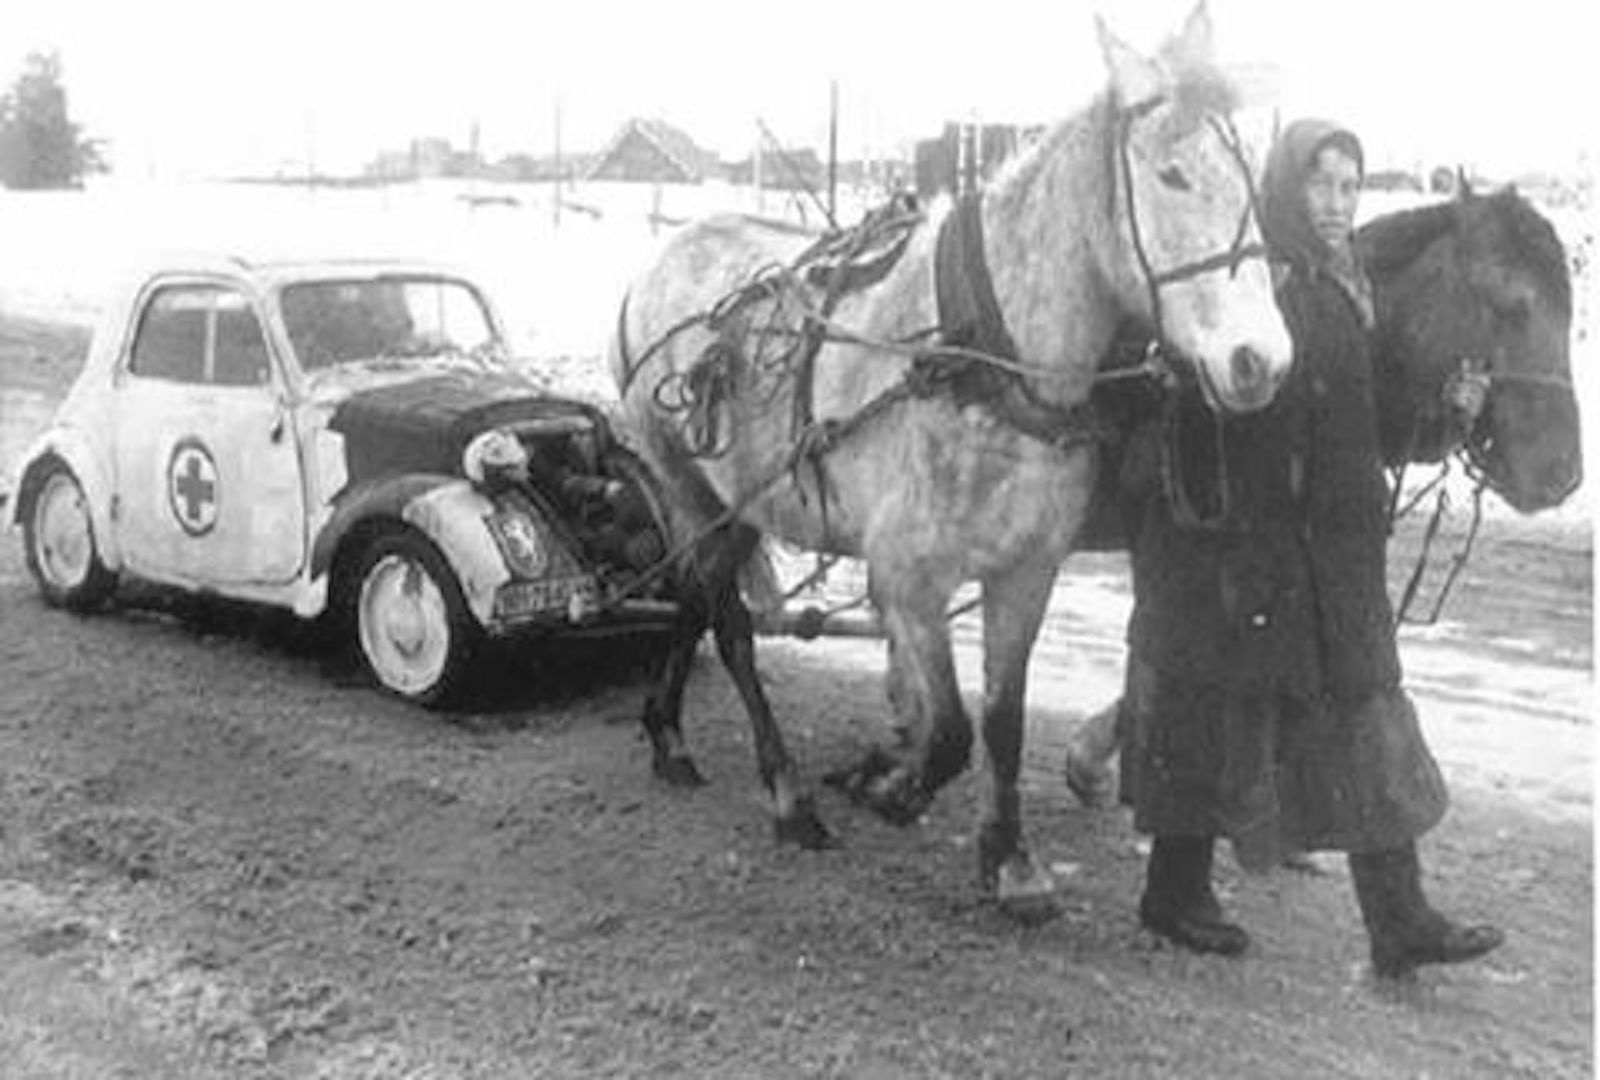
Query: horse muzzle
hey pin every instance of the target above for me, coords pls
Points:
(1248, 381)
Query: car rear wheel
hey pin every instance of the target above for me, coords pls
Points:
(412, 629)
(58, 534)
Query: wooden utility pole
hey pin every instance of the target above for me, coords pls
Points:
(555, 187)
(833, 149)
(756, 174)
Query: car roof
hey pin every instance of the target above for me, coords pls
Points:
(262, 272)
(272, 271)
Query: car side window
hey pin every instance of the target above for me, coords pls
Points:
(200, 334)
(171, 341)
(240, 357)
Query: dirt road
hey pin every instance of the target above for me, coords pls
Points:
(218, 858)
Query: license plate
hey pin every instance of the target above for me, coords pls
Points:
(519, 599)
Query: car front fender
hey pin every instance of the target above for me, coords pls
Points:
(447, 510)
(73, 448)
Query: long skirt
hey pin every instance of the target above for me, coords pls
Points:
(1275, 773)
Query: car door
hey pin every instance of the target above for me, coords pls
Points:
(208, 475)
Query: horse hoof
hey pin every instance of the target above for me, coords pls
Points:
(679, 772)
(1030, 910)
(887, 788)
(899, 798)
(1026, 894)
(804, 828)
(854, 780)
(1092, 785)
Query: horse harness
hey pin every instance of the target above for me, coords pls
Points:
(969, 355)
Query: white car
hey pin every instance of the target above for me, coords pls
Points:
(340, 437)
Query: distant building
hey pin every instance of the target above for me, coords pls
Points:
(785, 170)
(424, 159)
(544, 168)
(654, 151)
(1392, 180)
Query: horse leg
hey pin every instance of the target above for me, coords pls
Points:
(1013, 609)
(663, 709)
(794, 812)
(931, 723)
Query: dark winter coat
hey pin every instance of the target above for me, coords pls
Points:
(1287, 590)
(1264, 696)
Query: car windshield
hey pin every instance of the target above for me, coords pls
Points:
(341, 322)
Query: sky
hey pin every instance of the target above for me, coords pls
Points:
(195, 88)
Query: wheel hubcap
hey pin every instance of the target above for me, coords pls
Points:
(64, 543)
(404, 625)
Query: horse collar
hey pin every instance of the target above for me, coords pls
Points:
(969, 311)
(972, 326)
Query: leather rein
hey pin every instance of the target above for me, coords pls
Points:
(1472, 450)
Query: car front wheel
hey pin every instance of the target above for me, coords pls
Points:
(412, 628)
(58, 534)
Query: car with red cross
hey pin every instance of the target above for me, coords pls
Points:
(346, 439)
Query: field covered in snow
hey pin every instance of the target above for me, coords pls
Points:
(557, 282)
(557, 278)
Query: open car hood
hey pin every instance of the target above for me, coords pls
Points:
(422, 425)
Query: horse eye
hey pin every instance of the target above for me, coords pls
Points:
(1173, 177)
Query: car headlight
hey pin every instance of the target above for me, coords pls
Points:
(495, 454)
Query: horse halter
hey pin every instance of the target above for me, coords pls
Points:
(1475, 449)
(1184, 508)
(1230, 259)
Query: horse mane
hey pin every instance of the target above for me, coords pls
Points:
(1390, 243)
(1536, 245)
(1199, 87)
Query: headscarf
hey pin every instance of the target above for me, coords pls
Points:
(1286, 220)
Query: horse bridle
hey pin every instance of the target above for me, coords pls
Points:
(1183, 506)
(1229, 260)
(1474, 451)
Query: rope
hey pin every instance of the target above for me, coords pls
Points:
(1458, 561)
(819, 438)
(1473, 456)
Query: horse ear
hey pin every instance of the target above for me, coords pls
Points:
(1133, 78)
(1195, 43)
(1463, 185)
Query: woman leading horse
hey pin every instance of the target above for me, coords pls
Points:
(933, 420)
(1264, 699)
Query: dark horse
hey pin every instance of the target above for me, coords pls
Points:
(1479, 281)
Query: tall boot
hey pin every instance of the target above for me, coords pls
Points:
(1178, 902)
(1404, 929)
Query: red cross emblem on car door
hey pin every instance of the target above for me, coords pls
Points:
(192, 486)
